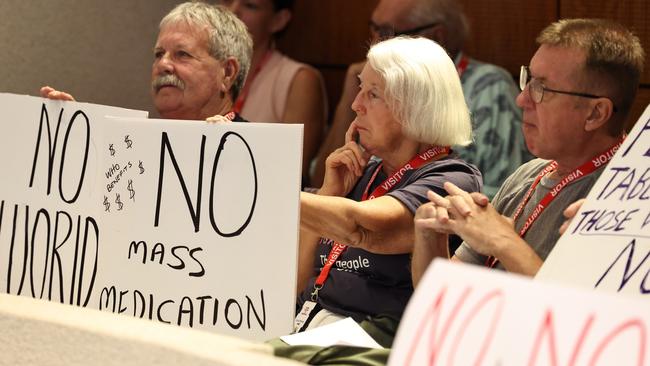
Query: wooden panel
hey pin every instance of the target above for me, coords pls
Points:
(640, 103)
(635, 14)
(503, 32)
(334, 77)
(328, 32)
(329, 35)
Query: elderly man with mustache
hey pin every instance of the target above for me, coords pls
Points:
(201, 60)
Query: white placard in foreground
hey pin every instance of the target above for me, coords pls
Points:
(182, 222)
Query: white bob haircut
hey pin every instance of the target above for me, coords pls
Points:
(423, 90)
(227, 35)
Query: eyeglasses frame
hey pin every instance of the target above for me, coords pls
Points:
(525, 79)
(379, 30)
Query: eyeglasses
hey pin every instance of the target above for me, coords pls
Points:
(387, 31)
(536, 88)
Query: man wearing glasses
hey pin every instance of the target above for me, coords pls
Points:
(576, 96)
(490, 92)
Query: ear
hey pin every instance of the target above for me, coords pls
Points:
(280, 20)
(601, 112)
(230, 71)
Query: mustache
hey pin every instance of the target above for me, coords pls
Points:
(167, 79)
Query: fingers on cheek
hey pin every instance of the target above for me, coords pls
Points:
(348, 163)
(354, 165)
(351, 161)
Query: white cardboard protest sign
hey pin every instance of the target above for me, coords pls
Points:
(469, 315)
(49, 161)
(607, 246)
(181, 222)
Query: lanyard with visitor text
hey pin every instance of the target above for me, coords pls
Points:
(585, 169)
(416, 162)
(239, 103)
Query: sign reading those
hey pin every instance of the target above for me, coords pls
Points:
(607, 245)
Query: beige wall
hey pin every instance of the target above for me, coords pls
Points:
(99, 51)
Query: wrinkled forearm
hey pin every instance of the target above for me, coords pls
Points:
(380, 226)
(330, 217)
(517, 256)
(426, 248)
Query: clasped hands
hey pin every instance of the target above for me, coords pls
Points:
(468, 215)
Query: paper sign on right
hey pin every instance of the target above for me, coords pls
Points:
(607, 246)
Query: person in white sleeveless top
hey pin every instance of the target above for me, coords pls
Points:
(279, 89)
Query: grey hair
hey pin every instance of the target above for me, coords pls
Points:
(423, 90)
(227, 35)
(447, 12)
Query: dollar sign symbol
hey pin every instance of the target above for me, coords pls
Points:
(131, 190)
(119, 202)
(129, 143)
(111, 149)
(141, 167)
(107, 205)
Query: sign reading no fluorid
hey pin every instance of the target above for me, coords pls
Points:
(181, 222)
(468, 315)
(607, 245)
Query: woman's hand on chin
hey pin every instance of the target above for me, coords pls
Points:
(344, 166)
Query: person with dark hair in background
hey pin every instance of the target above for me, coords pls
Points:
(489, 90)
(279, 89)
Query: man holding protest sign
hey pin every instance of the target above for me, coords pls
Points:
(576, 96)
(201, 60)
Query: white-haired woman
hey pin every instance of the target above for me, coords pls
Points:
(410, 110)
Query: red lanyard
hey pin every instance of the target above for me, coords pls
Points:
(241, 100)
(585, 169)
(462, 65)
(390, 182)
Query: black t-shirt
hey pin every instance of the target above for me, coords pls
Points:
(362, 283)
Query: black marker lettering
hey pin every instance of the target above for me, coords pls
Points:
(222, 144)
(194, 213)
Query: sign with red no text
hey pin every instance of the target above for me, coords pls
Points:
(468, 315)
